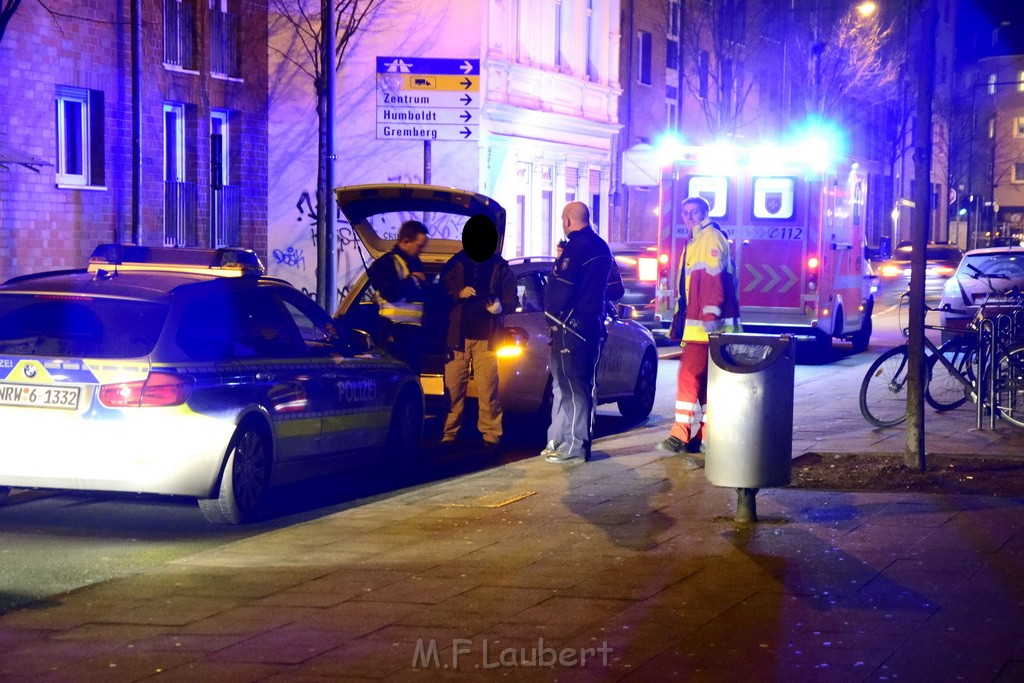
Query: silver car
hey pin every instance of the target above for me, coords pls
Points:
(983, 276)
(628, 368)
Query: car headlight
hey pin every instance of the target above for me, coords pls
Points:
(513, 343)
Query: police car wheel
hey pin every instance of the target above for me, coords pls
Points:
(4, 492)
(405, 433)
(639, 405)
(244, 483)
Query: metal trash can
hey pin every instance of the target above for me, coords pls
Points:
(750, 410)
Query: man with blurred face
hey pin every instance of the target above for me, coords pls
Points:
(481, 288)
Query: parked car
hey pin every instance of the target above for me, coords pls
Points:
(187, 372)
(641, 270)
(983, 275)
(628, 369)
(941, 261)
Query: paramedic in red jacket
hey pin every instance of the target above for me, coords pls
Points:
(708, 302)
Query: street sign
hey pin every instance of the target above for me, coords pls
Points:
(428, 98)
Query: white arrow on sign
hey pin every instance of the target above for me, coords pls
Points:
(466, 66)
(773, 278)
(790, 282)
(754, 274)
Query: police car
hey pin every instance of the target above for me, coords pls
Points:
(628, 369)
(187, 372)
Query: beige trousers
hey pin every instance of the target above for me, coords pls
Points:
(485, 373)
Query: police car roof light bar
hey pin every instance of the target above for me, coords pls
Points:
(224, 261)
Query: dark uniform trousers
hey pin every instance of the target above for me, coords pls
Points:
(574, 373)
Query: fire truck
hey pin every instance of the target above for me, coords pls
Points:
(796, 223)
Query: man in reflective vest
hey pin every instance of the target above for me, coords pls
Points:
(708, 302)
(398, 281)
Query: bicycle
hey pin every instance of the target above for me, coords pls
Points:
(951, 376)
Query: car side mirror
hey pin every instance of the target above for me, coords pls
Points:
(359, 342)
(625, 311)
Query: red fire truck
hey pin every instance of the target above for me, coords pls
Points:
(796, 221)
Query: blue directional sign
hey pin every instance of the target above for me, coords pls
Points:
(428, 98)
(426, 65)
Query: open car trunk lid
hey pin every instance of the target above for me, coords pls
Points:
(377, 211)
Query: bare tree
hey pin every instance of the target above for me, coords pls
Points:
(306, 53)
(7, 10)
(847, 65)
(723, 52)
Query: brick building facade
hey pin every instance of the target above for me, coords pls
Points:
(66, 98)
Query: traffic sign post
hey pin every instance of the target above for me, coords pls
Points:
(428, 99)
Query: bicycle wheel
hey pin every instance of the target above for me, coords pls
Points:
(883, 393)
(946, 389)
(1010, 386)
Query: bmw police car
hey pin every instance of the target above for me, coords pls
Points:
(186, 372)
(628, 368)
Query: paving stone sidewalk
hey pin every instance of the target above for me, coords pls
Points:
(629, 567)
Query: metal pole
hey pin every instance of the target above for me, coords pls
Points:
(330, 209)
(136, 227)
(914, 455)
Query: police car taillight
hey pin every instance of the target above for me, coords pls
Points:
(647, 269)
(159, 390)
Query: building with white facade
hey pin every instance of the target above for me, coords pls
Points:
(543, 117)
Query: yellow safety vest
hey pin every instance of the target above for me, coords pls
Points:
(401, 311)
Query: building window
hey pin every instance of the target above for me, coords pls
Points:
(225, 198)
(991, 84)
(1018, 127)
(643, 54)
(671, 54)
(559, 46)
(179, 196)
(703, 72)
(674, 13)
(179, 34)
(223, 39)
(992, 128)
(589, 43)
(1020, 81)
(671, 114)
(79, 137)
(1018, 172)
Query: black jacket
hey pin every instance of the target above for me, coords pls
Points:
(501, 286)
(577, 292)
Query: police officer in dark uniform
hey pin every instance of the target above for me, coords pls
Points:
(575, 304)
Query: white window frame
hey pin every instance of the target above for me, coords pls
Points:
(991, 84)
(80, 97)
(178, 174)
(224, 118)
(560, 60)
(642, 55)
(1016, 179)
(1020, 81)
(1018, 126)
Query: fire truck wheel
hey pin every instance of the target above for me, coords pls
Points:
(861, 337)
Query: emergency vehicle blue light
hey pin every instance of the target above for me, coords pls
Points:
(670, 147)
(819, 143)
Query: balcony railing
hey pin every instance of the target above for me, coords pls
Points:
(179, 34)
(224, 43)
(226, 216)
(179, 214)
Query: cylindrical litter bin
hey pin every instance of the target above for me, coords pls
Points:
(750, 410)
